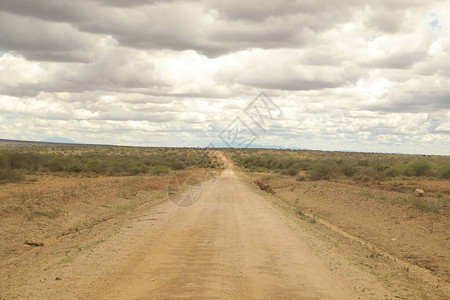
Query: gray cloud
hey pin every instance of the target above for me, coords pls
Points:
(210, 27)
(42, 40)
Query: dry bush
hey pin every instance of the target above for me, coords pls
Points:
(322, 171)
(8, 175)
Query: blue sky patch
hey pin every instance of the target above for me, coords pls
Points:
(435, 24)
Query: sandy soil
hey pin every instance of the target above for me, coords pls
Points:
(378, 215)
(233, 243)
(56, 206)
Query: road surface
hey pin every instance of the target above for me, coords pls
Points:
(232, 243)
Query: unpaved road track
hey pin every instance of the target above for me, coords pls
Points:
(231, 244)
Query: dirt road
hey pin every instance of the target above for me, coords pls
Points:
(233, 243)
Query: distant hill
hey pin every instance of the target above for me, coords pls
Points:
(56, 139)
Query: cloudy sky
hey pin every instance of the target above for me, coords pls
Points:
(338, 75)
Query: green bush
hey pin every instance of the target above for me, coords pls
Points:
(444, 172)
(135, 170)
(159, 170)
(76, 168)
(363, 162)
(349, 170)
(144, 168)
(417, 168)
(367, 166)
(301, 178)
(321, 171)
(178, 165)
(380, 167)
(56, 165)
(393, 172)
(112, 161)
(92, 164)
(302, 165)
(280, 165)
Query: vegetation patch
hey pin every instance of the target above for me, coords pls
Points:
(322, 165)
(110, 161)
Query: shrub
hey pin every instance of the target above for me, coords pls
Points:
(417, 168)
(362, 178)
(292, 171)
(349, 170)
(380, 167)
(280, 165)
(301, 178)
(303, 165)
(76, 168)
(159, 170)
(17, 160)
(363, 162)
(92, 164)
(144, 168)
(366, 174)
(321, 171)
(444, 172)
(178, 165)
(56, 165)
(393, 172)
(135, 170)
(4, 161)
(10, 175)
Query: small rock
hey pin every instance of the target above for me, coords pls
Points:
(413, 269)
(419, 192)
(57, 278)
(33, 242)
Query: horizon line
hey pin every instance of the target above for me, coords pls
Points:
(74, 143)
